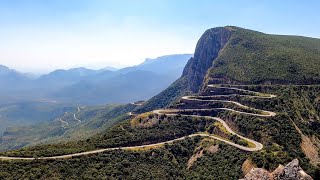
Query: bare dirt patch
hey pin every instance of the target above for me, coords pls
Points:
(206, 146)
(247, 166)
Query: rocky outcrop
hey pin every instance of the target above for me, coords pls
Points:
(292, 171)
(207, 49)
(258, 173)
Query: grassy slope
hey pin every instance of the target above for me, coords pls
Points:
(254, 57)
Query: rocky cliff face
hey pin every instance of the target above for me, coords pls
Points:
(207, 49)
(292, 171)
(191, 81)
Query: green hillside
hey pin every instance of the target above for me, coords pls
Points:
(93, 119)
(27, 113)
(253, 58)
(280, 136)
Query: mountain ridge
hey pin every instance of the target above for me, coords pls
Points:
(91, 83)
(220, 58)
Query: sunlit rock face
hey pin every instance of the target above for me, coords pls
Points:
(292, 171)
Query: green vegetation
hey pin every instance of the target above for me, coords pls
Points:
(252, 57)
(225, 164)
(281, 139)
(247, 57)
(295, 105)
(94, 119)
(169, 162)
(220, 126)
(123, 134)
(28, 113)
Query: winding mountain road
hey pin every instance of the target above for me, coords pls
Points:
(258, 146)
(74, 115)
(65, 124)
(172, 112)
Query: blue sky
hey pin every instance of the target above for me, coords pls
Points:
(39, 35)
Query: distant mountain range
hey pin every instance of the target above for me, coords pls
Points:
(26, 100)
(87, 86)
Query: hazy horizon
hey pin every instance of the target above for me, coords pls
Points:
(41, 36)
(87, 66)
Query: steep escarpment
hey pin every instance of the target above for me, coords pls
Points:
(207, 50)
